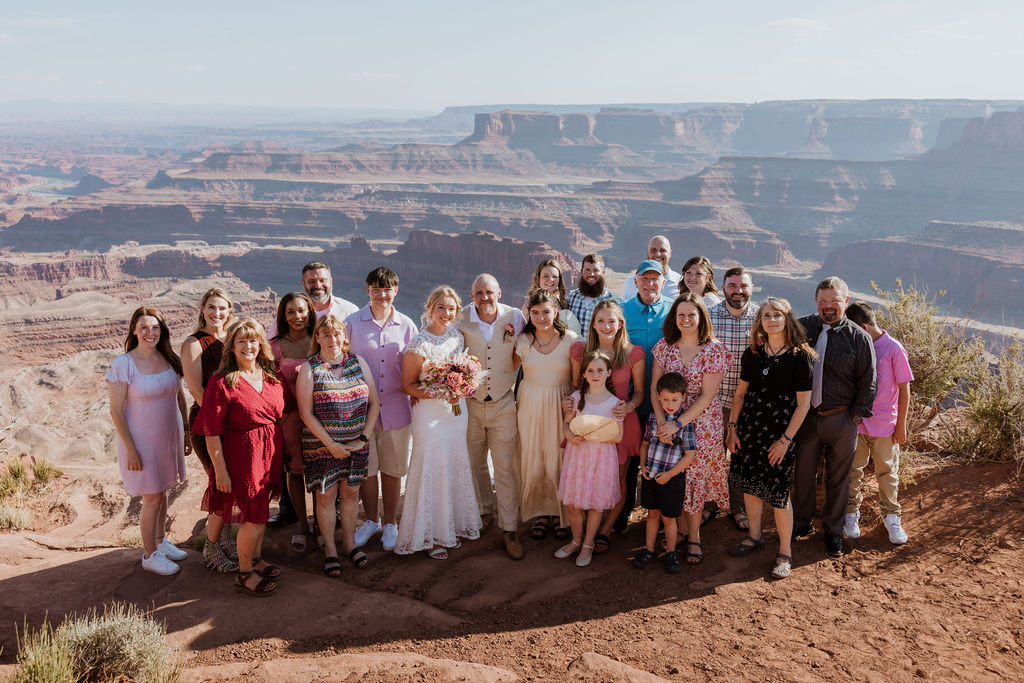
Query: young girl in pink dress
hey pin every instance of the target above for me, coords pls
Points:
(590, 469)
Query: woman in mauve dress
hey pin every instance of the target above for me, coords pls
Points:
(147, 406)
(243, 406)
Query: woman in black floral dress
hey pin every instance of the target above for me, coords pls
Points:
(770, 403)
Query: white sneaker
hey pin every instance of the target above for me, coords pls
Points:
(852, 526)
(389, 537)
(893, 523)
(368, 530)
(158, 564)
(171, 551)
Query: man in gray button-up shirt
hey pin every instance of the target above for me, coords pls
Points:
(843, 393)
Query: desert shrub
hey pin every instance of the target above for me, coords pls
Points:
(14, 518)
(130, 538)
(124, 643)
(993, 412)
(944, 355)
(44, 471)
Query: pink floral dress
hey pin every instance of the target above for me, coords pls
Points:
(708, 477)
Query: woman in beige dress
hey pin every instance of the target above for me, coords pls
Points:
(543, 351)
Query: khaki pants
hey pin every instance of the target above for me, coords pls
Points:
(886, 456)
(492, 427)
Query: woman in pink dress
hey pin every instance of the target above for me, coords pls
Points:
(243, 406)
(200, 357)
(147, 406)
(607, 334)
(689, 348)
(295, 322)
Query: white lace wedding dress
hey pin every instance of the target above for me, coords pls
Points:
(440, 504)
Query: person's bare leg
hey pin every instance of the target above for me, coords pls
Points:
(576, 524)
(297, 492)
(593, 523)
(369, 494)
(784, 523)
(671, 531)
(755, 507)
(653, 520)
(693, 527)
(214, 527)
(349, 511)
(391, 492)
(613, 514)
(148, 521)
(326, 517)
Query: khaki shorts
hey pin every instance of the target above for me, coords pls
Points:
(389, 452)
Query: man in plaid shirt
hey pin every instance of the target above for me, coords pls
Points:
(592, 290)
(731, 320)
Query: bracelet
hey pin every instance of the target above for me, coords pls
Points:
(731, 425)
(785, 439)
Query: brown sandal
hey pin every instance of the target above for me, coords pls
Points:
(269, 571)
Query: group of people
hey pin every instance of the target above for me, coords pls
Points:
(713, 403)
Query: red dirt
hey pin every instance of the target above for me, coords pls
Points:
(948, 605)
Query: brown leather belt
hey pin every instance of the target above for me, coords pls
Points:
(832, 411)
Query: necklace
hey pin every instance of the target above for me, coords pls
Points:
(771, 357)
(333, 366)
(543, 346)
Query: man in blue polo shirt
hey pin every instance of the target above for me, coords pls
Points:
(644, 312)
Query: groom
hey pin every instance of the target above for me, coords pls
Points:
(490, 329)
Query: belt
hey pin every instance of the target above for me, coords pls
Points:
(825, 413)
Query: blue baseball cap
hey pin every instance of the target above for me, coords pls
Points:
(649, 264)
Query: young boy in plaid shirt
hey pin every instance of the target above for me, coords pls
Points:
(664, 475)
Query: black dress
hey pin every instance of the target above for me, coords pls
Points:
(767, 408)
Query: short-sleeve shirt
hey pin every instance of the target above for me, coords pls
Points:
(643, 324)
(382, 346)
(791, 372)
(892, 368)
(662, 457)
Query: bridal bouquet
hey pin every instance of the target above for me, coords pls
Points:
(457, 377)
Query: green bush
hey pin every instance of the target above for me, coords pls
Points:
(993, 412)
(124, 643)
(44, 471)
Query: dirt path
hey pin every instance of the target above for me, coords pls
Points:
(948, 605)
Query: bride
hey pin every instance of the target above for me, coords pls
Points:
(440, 503)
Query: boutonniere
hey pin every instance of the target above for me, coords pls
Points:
(509, 332)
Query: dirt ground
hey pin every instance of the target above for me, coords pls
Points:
(949, 605)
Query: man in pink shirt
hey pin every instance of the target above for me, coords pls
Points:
(379, 334)
(880, 435)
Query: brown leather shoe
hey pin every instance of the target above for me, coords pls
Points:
(513, 548)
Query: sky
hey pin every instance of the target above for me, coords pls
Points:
(427, 55)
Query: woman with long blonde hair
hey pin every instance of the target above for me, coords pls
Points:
(240, 417)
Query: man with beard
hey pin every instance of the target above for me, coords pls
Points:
(316, 280)
(661, 251)
(842, 395)
(490, 329)
(731, 320)
(645, 313)
(591, 291)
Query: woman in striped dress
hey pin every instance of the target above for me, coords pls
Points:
(338, 404)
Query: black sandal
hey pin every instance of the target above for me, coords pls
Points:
(262, 589)
(563, 532)
(712, 516)
(359, 558)
(269, 571)
(540, 528)
(641, 560)
(332, 567)
(602, 544)
(694, 558)
(743, 548)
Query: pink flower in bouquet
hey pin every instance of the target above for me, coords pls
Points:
(457, 377)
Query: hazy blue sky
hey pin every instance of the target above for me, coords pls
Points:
(425, 55)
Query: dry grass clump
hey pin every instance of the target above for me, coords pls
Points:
(123, 644)
(14, 518)
(17, 480)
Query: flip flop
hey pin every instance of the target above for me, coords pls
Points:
(298, 543)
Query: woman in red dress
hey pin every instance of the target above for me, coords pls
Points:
(243, 406)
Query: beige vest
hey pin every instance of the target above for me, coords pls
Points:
(495, 355)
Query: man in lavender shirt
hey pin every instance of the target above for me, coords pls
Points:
(879, 436)
(378, 334)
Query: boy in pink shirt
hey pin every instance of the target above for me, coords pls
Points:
(880, 435)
